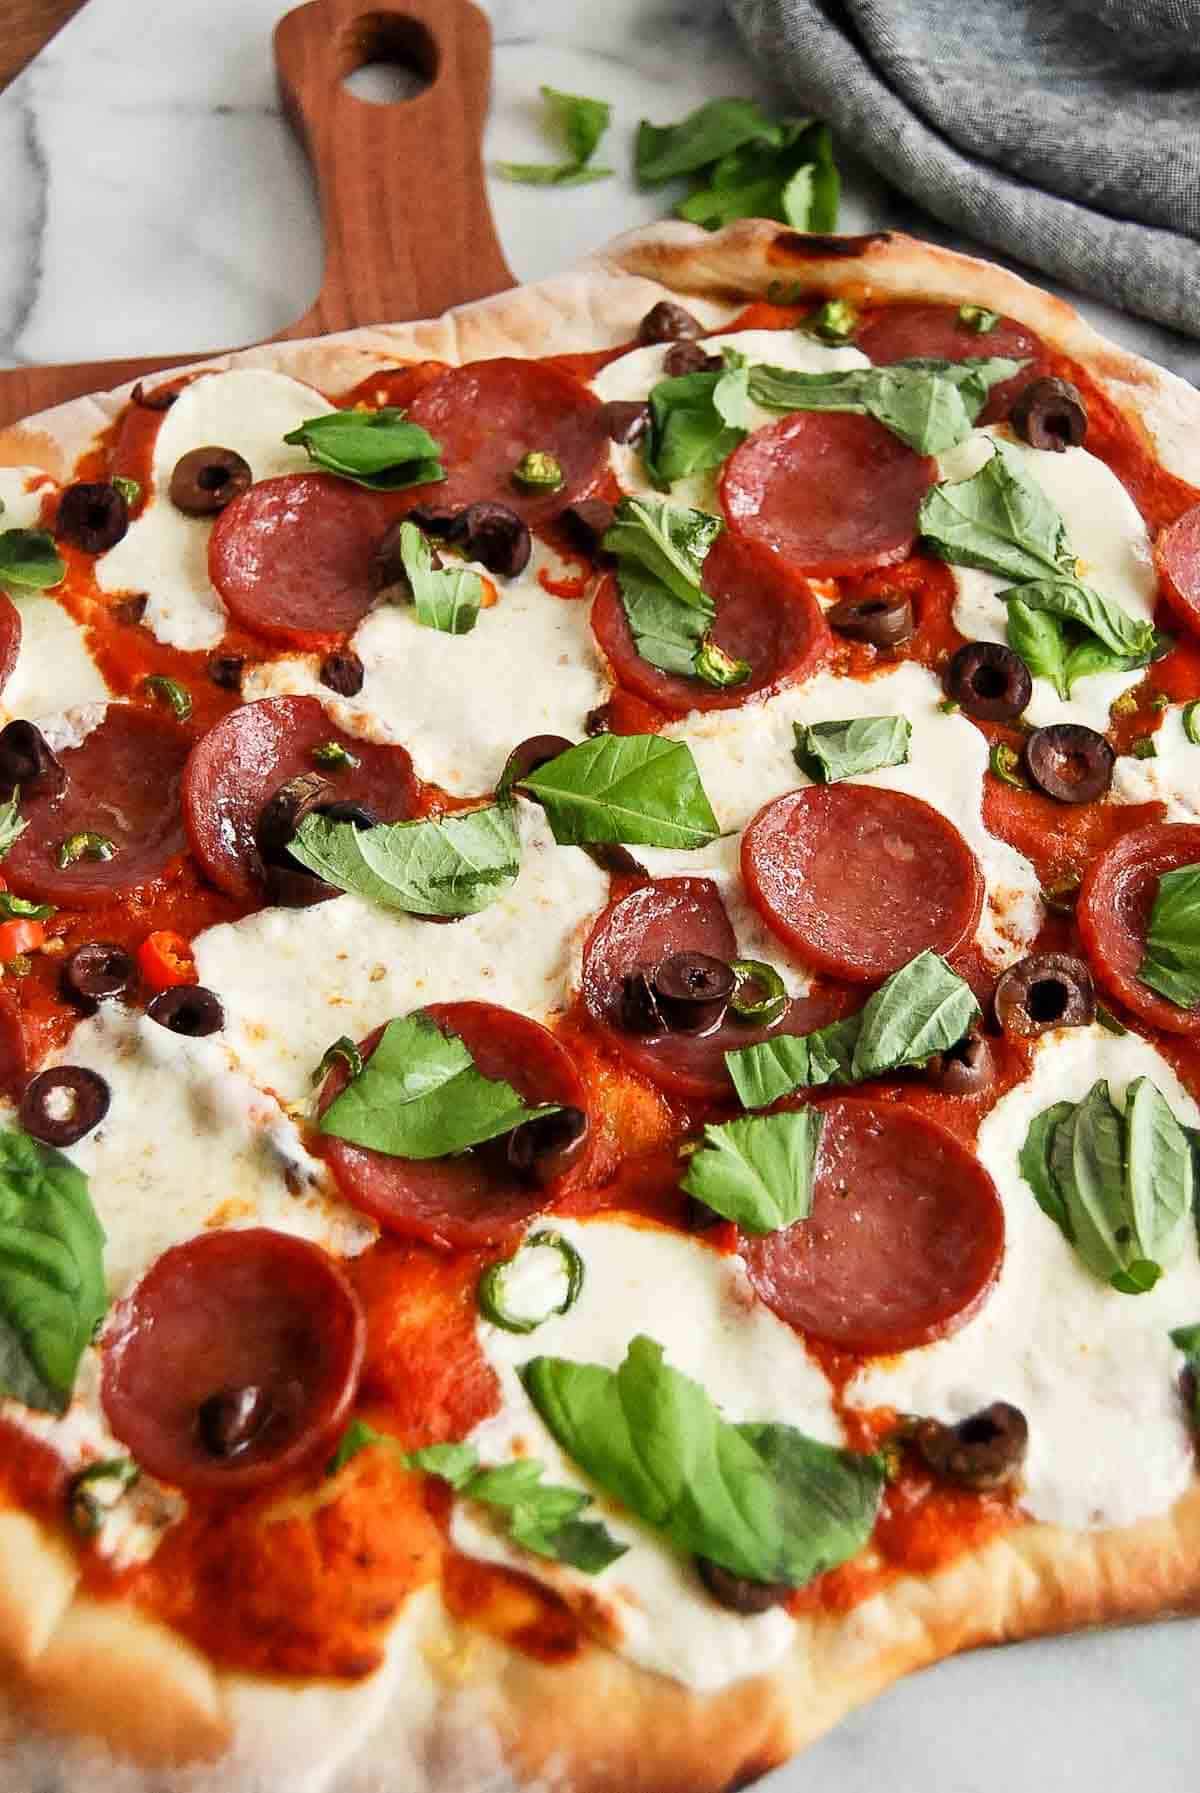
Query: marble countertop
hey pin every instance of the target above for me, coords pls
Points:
(155, 201)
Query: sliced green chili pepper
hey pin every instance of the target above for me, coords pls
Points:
(169, 692)
(772, 997)
(492, 1295)
(85, 846)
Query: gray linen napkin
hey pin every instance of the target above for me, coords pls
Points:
(1063, 132)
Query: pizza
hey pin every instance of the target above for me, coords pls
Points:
(601, 941)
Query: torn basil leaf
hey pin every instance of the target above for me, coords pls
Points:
(1171, 962)
(642, 790)
(539, 1516)
(582, 123)
(450, 865)
(379, 449)
(445, 598)
(29, 560)
(793, 179)
(660, 551)
(827, 752)
(696, 421)
(1116, 631)
(667, 541)
(930, 405)
(997, 521)
(713, 131)
(757, 1172)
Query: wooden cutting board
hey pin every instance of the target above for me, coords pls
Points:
(404, 211)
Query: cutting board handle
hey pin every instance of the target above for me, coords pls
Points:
(404, 209)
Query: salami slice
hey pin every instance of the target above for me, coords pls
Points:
(675, 915)
(1115, 901)
(245, 759)
(831, 492)
(765, 614)
(937, 332)
(489, 415)
(10, 638)
(904, 1241)
(122, 786)
(1177, 557)
(291, 558)
(473, 1198)
(234, 1360)
(860, 880)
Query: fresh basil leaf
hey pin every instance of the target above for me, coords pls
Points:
(29, 559)
(1187, 1340)
(661, 550)
(1036, 1164)
(689, 432)
(639, 789)
(1138, 1278)
(358, 1436)
(930, 405)
(793, 179)
(11, 825)
(540, 1517)
(1112, 627)
(452, 865)
(667, 541)
(420, 1095)
(583, 123)
(453, 1463)
(758, 1172)
(764, 1502)
(829, 751)
(1159, 1178)
(380, 449)
(1171, 962)
(52, 1288)
(1039, 640)
(15, 908)
(712, 131)
(773, 1068)
(1087, 1158)
(550, 174)
(999, 521)
(446, 598)
(667, 633)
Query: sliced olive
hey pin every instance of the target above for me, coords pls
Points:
(63, 1104)
(231, 1420)
(1069, 762)
(544, 1149)
(283, 812)
(342, 672)
(1050, 414)
(205, 480)
(688, 358)
(982, 1452)
(626, 419)
(92, 516)
(28, 760)
(389, 575)
(884, 621)
(437, 520)
(668, 322)
(615, 859)
(963, 1069)
(737, 1592)
(497, 538)
(639, 1006)
(692, 991)
(1044, 991)
(989, 681)
(588, 522)
(97, 970)
(226, 670)
(188, 1009)
(598, 721)
(524, 760)
(345, 809)
(161, 399)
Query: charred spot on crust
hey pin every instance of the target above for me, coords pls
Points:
(796, 246)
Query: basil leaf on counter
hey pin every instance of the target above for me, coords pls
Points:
(1171, 962)
(29, 560)
(998, 521)
(930, 405)
(642, 790)
(452, 865)
(705, 136)
(52, 1288)
(794, 180)
(667, 541)
(11, 825)
(420, 1095)
(696, 421)
(446, 598)
(1114, 628)
(583, 123)
(1187, 1340)
(379, 449)
(758, 1172)
(830, 751)
(763, 1501)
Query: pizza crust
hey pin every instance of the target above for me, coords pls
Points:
(83, 1667)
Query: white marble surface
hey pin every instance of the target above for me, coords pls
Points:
(154, 200)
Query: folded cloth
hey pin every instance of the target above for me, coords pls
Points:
(1063, 132)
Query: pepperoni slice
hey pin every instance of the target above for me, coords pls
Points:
(10, 638)
(255, 1314)
(766, 615)
(913, 332)
(860, 880)
(489, 415)
(473, 1198)
(291, 558)
(904, 1240)
(831, 492)
(675, 915)
(1177, 557)
(1115, 901)
(243, 760)
(123, 784)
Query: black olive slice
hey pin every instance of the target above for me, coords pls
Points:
(230, 1421)
(28, 760)
(188, 1009)
(964, 1069)
(345, 809)
(982, 1452)
(615, 859)
(496, 537)
(528, 755)
(738, 1593)
(226, 670)
(283, 812)
(1046, 990)
(598, 721)
(1069, 762)
(626, 420)
(63, 1104)
(692, 991)
(989, 681)
(542, 1150)
(882, 621)
(688, 358)
(438, 520)
(639, 1005)
(389, 575)
(92, 516)
(1050, 414)
(342, 671)
(97, 970)
(588, 522)
(668, 322)
(205, 480)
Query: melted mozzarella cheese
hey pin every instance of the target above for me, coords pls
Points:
(1172, 777)
(1093, 1371)
(745, 759)
(633, 375)
(54, 670)
(292, 980)
(1106, 533)
(165, 553)
(461, 703)
(649, 1604)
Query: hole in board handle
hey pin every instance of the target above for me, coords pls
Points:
(385, 59)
